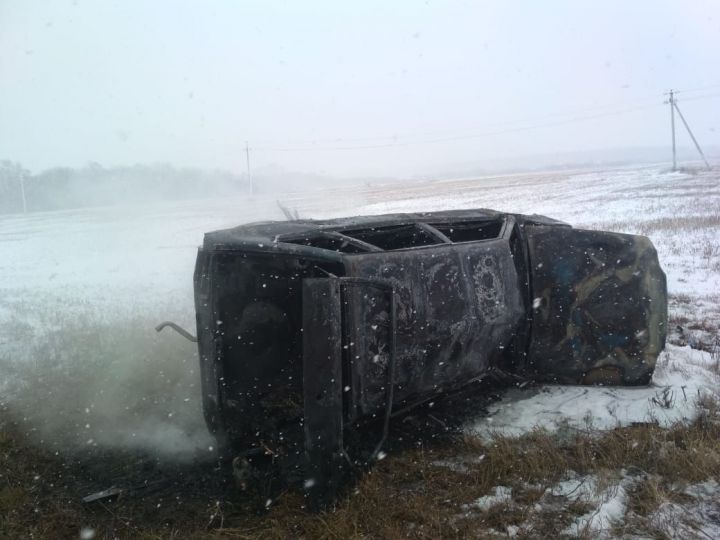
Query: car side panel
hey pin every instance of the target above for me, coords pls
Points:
(457, 307)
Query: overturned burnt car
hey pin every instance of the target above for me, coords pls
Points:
(309, 329)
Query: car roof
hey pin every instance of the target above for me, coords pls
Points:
(270, 231)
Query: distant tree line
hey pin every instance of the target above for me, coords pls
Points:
(94, 185)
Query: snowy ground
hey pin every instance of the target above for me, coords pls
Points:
(607, 506)
(81, 290)
(681, 375)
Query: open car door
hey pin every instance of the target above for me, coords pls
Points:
(348, 363)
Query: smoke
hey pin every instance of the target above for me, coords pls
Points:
(81, 291)
(79, 376)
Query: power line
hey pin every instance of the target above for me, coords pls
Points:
(696, 98)
(454, 138)
(421, 138)
(697, 89)
(397, 136)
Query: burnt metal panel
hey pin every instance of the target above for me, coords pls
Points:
(327, 462)
(249, 322)
(211, 366)
(257, 315)
(368, 343)
(264, 236)
(457, 307)
(600, 306)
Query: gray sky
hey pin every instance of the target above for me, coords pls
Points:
(188, 82)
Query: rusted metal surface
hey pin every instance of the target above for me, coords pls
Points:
(312, 331)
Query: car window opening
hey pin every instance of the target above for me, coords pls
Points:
(332, 242)
(394, 237)
(469, 231)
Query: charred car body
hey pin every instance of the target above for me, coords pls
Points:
(308, 329)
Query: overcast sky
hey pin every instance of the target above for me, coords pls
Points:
(424, 85)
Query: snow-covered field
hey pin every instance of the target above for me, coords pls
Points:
(81, 290)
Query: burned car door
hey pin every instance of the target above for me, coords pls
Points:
(457, 306)
(368, 327)
(599, 306)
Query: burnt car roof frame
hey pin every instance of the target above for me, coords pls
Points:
(350, 236)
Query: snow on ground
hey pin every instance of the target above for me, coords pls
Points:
(606, 502)
(696, 519)
(608, 507)
(500, 495)
(682, 374)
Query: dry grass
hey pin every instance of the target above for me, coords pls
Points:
(702, 220)
(648, 494)
(680, 223)
(411, 494)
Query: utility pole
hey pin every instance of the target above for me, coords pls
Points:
(247, 160)
(672, 126)
(691, 134)
(674, 107)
